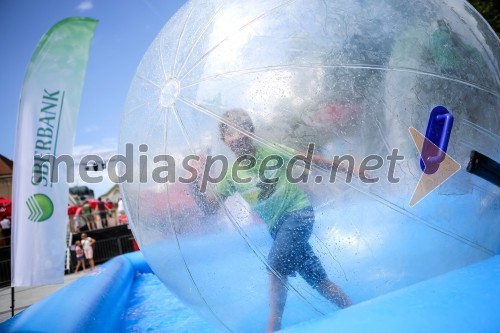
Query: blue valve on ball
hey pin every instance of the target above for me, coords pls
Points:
(437, 135)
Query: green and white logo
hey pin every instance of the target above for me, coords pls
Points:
(40, 207)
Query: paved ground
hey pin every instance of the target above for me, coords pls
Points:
(25, 296)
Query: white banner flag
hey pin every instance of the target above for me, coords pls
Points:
(48, 110)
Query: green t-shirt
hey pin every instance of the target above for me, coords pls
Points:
(270, 201)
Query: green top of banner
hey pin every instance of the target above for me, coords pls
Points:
(92, 23)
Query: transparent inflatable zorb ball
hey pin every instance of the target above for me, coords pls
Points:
(349, 77)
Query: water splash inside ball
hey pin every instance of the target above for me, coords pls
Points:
(350, 77)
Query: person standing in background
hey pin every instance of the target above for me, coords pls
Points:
(103, 212)
(80, 259)
(88, 244)
(79, 222)
(120, 211)
(5, 224)
(88, 216)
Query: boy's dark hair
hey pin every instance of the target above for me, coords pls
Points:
(239, 118)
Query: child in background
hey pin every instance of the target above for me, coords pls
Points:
(79, 256)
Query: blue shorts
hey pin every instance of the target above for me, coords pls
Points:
(291, 251)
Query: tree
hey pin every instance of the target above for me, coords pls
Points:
(490, 9)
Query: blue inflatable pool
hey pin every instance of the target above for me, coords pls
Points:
(464, 300)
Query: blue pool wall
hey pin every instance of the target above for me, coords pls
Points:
(93, 303)
(464, 300)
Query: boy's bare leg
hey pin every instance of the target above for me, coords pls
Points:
(334, 293)
(277, 300)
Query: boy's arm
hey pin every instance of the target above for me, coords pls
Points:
(208, 202)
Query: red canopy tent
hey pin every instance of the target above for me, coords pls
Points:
(5, 207)
(72, 210)
(93, 204)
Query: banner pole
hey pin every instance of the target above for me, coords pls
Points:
(12, 301)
